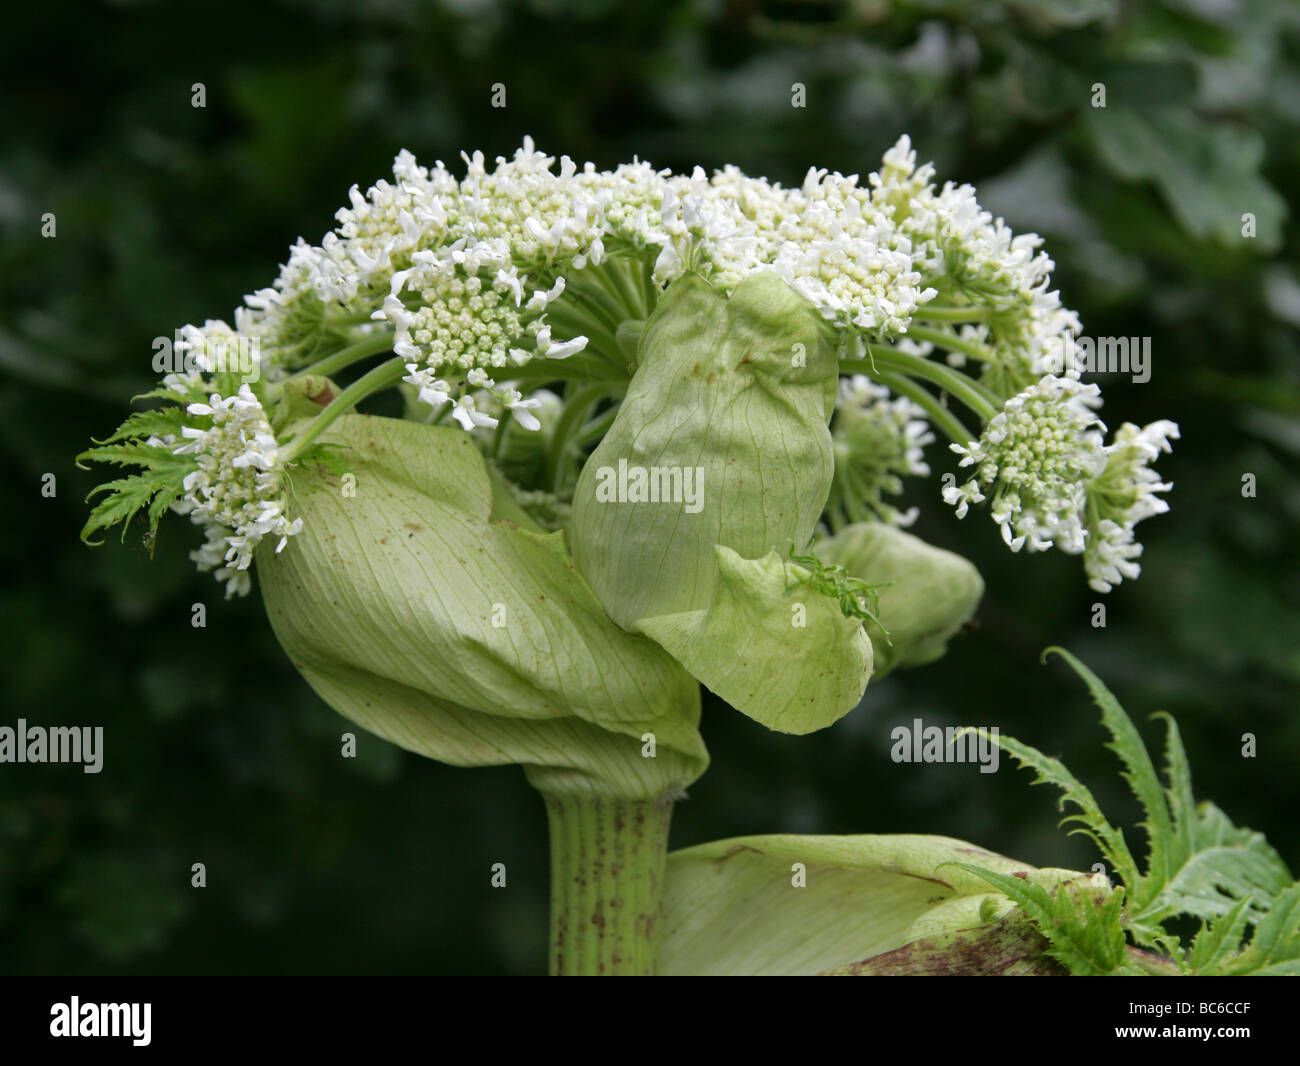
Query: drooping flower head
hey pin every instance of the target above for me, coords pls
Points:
(1032, 461)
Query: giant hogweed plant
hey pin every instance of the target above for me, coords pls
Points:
(655, 432)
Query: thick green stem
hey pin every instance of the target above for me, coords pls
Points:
(608, 860)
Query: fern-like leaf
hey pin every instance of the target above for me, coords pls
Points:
(1083, 927)
(1088, 820)
(1199, 864)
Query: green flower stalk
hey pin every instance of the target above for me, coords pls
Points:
(655, 431)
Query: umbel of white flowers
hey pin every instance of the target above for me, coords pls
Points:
(536, 270)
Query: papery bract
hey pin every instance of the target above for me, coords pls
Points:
(421, 615)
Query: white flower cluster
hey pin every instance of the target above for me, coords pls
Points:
(1035, 456)
(826, 239)
(464, 272)
(878, 440)
(1122, 496)
(1054, 483)
(971, 257)
(465, 326)
(235, 492)
(527, 222)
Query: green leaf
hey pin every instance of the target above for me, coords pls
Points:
(735, 394)
(738, 391)
(1141, 777)
(754, 643)
(472, 641)
(158, 422)
(1226, 864)
(1219, 939)
(731, 906)
(1201, 865)
(1209, 172)
(156, 487)
(1088, 819)
(1275, 948)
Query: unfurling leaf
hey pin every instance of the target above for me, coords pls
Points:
(717, 395)
(420, 615)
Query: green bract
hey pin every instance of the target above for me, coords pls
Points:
(751, 644)
(813, 904)
(928, 592)
(423, 617)
(719, 459)
(735, 393)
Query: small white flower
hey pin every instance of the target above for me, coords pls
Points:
(234, 492)
(1033, 461)
(878, 441)
(1121, 496)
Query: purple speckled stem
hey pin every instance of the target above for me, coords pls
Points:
(608, 859)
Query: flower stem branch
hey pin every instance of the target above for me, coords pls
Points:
(883, 359)
(944, 339)
(938, 414)
(381, 377)
(935, 313)
(345, 357)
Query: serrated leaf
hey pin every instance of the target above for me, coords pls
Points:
(1279, 933)
(1081, 921)
(159, 484)
(1220, 938)
(144, 424)
(1182, 803)
(1226, 864)
(1202, 864)
(1141, 777)
(1089, 821)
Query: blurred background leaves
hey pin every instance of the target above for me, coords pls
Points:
(216, 752)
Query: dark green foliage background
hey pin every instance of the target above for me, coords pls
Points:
(217, 752)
